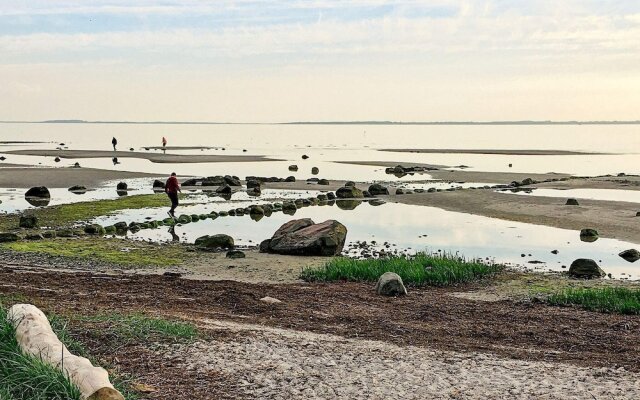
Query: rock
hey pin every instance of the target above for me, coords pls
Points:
(349, 192)
(215, 242)
(2, 158)
(585, 268)
(158, 185)
(49, 234)
(399, 191)
(252, 183)
(34, 236)
(554, 251)
(572, 202)
(171, 274)
(38, 191)
(349, 184)
(195, 217)
(589, 235)
(315, 171)
(322, 197)
(76, 165)
(638, 214)
(376, 189)
(78, 189)
(390, 284)
(256, 210)
(28, 221)
(8, 237)
(366, 193)
(65, 233)
(305, 157)
(631, 255)
(121, 226)
(234, 254)
(232, 180)
(94, 229)
(110, 229)
(290, 179)
(270, 300)
(122, 186)
(323, 182)
(184, 219)
(331, 196)
(57, 159)
(255, 191)
(224, 189)
(304, 237)
(293, 167)
(528, 182)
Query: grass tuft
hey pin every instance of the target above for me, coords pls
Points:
(23, 377)
(608, 300)
(423, 269)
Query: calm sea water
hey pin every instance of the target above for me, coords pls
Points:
(327, 143)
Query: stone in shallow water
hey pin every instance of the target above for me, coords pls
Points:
(631, 255)
(572, 202)
(585, 268)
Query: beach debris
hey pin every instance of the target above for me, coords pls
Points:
(377, 189)
(585, 268)
(390, 284)
(36, 338)
(28, 221)
(235, 254)
(215, 242)
(572, 202)
(631, 255)
(305, 237)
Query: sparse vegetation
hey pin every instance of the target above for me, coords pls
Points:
(617, 300)
(423, 269)
(120, 252)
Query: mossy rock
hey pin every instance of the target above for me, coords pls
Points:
(28, 221)
(110, 230)
(94, 229)
(213, 242)
(65, 233)
(184, 219)
(195, 218)
(349, 192)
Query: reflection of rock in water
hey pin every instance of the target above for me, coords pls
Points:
(588, 239)
(256, 217)
(38, 201)
(377, 202)
(121, 193)
(348, 204)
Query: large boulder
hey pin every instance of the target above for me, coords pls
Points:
(304, 237)
(585, 268)
(390, 284)
(349, 192)
(377, 189)
(38, 191)
(631, 255)
(28, 221)
(214, 242)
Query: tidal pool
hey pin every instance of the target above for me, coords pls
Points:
(408, 228)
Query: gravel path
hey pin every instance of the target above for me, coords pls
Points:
(272, 363)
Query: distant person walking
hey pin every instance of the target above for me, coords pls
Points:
(114, 142)
(172, 188)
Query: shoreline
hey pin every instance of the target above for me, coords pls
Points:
(153, 157)
(63, 177)
(498, 152)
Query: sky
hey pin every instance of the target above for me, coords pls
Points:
(320, 60)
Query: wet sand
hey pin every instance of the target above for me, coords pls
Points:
(153, 157)
(26, 177)
(494, 151)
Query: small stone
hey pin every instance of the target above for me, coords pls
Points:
(270, 300)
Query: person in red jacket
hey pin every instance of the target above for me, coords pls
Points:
(172, 188)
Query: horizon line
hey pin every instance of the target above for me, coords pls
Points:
(370, 122)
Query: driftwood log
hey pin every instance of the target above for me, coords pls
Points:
(35, 337)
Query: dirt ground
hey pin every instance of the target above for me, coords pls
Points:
(488, 341)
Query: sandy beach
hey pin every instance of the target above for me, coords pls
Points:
(153, 157)
(26, 177)
(523, 152)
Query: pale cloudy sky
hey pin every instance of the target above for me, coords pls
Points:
(277, 60)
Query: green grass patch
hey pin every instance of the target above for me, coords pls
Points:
(139, 327)
(26, 377)
(65, 215)
(115, 251)
(616, 300)
(423, 269)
